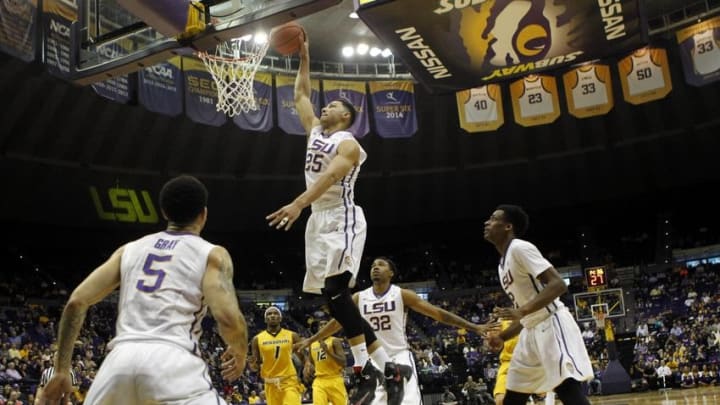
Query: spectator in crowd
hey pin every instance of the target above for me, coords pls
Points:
(448, 398)
(664, 374)
(687, 378)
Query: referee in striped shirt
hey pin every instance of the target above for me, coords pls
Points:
(45, 377)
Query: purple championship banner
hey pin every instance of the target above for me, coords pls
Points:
(160, 87)
(58, 16)
(699, 52)
(288, 119)
(120, 89)
(393, 106)
(455, 45)
(18, 19)
(259, 120)
(354, 92)
(201, 94)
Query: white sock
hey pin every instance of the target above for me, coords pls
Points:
(360, 354)
(380, 357)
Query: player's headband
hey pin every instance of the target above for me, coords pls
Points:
(273, 308)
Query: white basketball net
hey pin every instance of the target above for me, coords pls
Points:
(599, 320)
(233, 68)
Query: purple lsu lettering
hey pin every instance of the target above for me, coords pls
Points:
(379, 307)
(375, 317)
(318, 145)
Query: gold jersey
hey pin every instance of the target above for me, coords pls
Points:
(325, 365)
(276, 354)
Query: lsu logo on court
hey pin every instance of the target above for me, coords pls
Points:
(124, 205)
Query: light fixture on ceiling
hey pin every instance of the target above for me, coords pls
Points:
(362, 48)
(386, 53)
(348, 51)
(260, 37)
(375, 51)
(354, 15)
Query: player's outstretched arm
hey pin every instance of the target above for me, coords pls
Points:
(329, 329)
(219, 293)
(347, 157)
(303, 91)
(417, 304)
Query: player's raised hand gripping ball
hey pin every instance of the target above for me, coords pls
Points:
(287, 39)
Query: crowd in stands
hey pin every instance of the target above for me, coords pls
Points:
(677, 337)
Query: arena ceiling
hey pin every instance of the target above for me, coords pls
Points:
(331, 29)
(55, 136)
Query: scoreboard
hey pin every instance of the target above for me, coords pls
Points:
(596, 278)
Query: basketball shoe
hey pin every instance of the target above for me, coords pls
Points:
(395, 377)
(364, 382)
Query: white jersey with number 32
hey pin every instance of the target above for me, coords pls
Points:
(161, 289)
(387, 316)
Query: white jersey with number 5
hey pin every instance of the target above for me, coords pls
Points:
(321, 150)
(161, 297)
(386, 314)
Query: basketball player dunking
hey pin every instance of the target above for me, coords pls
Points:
(336, 230)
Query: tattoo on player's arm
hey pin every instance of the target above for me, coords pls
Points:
(70, 324)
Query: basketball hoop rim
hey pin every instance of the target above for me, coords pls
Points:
(207, 55)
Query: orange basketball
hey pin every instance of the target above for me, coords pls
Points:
(287, 38)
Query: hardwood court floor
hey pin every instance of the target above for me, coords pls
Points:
(691, 396)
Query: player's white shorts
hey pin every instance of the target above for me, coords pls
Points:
(548, 354)
(412, 387)
(334, 242)
(152, 373)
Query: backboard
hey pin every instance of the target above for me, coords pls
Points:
(107, 40)
(613, 298)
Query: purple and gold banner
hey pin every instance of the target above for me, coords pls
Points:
(58, 16)
(535, 100)
(480, 109)
(120, 89)
(699, 52)
(394, 108)
(288, 119)
(261, 119)
(354, 92)
(453, 45)
(18, 19)
(161, 87)
(588, 90)
(645, 75)
(201, 94)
